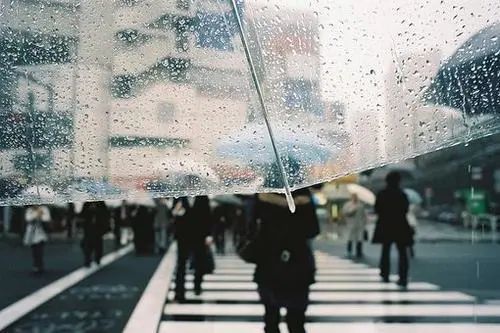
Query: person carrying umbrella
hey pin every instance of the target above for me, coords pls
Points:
(37, 219)
(392, 226)
(355, 216)
(285, 266)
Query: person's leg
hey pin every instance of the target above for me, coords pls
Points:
(223, 241)
(87, 251)
(182, 255)
(272, 310)
(296, 311)
(403, 264)
(349, 248)
(359, 249)
(199, 257)
(35, 254)
(98, 249)
(41, 263)
(385, 261)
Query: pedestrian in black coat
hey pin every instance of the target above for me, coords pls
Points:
(192, 229)
(285, 266)
(95, 224)
(392, 226)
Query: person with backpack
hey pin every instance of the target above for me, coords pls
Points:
(285, 265)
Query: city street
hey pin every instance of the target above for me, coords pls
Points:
(454, 286)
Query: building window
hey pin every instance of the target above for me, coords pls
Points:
(166, 112)
(183, 4)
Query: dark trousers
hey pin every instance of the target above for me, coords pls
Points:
(295, 302)
(220, 241)
(359, 248)
(92, 247)
(37, 254)
(385, 261)
(184, 252)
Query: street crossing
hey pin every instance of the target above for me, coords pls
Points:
(347, 297)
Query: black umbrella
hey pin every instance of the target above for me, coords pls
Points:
(470, 79)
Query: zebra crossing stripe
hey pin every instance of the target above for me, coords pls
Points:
(320, 286)
(253, 327)
(319, 278)
(380, 297)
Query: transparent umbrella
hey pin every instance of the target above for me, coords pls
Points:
(107, 90)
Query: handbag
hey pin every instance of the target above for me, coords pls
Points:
(209, 261)
(248, 250)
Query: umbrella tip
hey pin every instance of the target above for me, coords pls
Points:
(291, 203)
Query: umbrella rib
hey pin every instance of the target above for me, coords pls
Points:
(260, 94)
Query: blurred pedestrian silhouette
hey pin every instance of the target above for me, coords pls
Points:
(37, 220)
(355, 217)
(392, 226)
(95, 217)
(70, 220)
(161, 223)
(143, 227)
(192, 228)
(221, 221)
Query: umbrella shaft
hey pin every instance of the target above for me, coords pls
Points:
(260, 94)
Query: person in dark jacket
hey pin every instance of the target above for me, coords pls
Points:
(142, 226)
(95, 224)
(192, 228)
(285, 266)
(392, 226)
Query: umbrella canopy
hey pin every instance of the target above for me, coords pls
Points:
(106, 90)
(185, 166)
(413, 196)
(469, 79)
(364, 194)
(228, 199)
(41, 192)
(336, 192)
(252, 144)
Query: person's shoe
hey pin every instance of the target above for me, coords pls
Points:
(385, 279)
(197, 291)
(402, 284)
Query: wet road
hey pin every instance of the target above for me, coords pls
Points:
(454, 287)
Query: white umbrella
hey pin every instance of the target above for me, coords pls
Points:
(43, 192)
(113, 203)
(364, 194)
(413, 196)
(143, 201)
(336, 192)
(228, 199)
